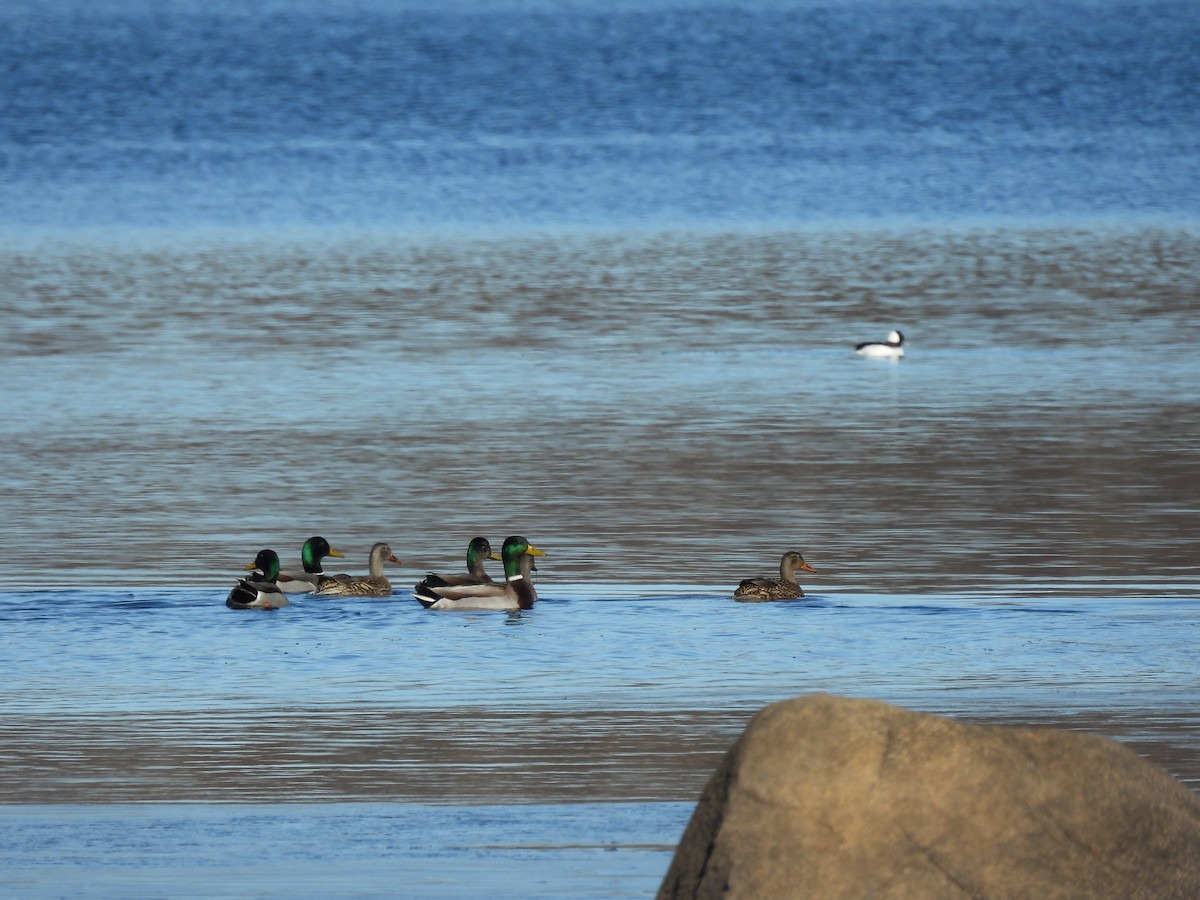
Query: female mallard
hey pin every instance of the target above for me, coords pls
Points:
(259, 591)
(373, 585)
(515, 592)
(309, 578)
(785, 587)
(478, 551)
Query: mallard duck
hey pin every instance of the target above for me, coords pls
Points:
(372, 585)
(308, 578)
(259, 591)
(891, 348)
(785, 587)
(479, 550)
(515, 592)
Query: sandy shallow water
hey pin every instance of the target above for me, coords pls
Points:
(1002, 523)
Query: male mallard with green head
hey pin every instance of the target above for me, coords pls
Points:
(785, 587)
(478, 552)
(259, 591)
(515, 592)
(309, 577)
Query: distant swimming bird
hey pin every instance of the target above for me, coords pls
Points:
(515, 592)
(892, 348)
(479, 550)
(373, 585)
(259, 591)
(785, 587)
(309, 577)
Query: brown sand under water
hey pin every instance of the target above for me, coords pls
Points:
(468, 756)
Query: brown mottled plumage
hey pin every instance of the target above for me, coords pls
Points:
(785, 587)
(372, 585)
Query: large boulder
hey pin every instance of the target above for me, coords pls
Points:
(830, 797)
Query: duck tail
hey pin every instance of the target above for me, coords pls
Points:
(424, 595)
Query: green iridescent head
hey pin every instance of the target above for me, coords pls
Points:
(266, 562)
(478, 550)
(314, 550)
(516, 547)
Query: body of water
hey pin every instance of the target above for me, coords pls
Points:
(594, 276)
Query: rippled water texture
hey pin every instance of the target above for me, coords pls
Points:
(659, 409)
(1002, 522)
(591, 274)
(191, 113)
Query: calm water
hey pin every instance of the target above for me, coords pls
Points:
(125, 113)
(668, 409)
(1003, 524)
(593, 276)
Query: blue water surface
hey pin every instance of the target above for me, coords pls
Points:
(415, 116)
(1058, 647)
(233, 277)
(337, 850)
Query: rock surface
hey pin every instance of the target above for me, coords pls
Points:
(830, 797)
